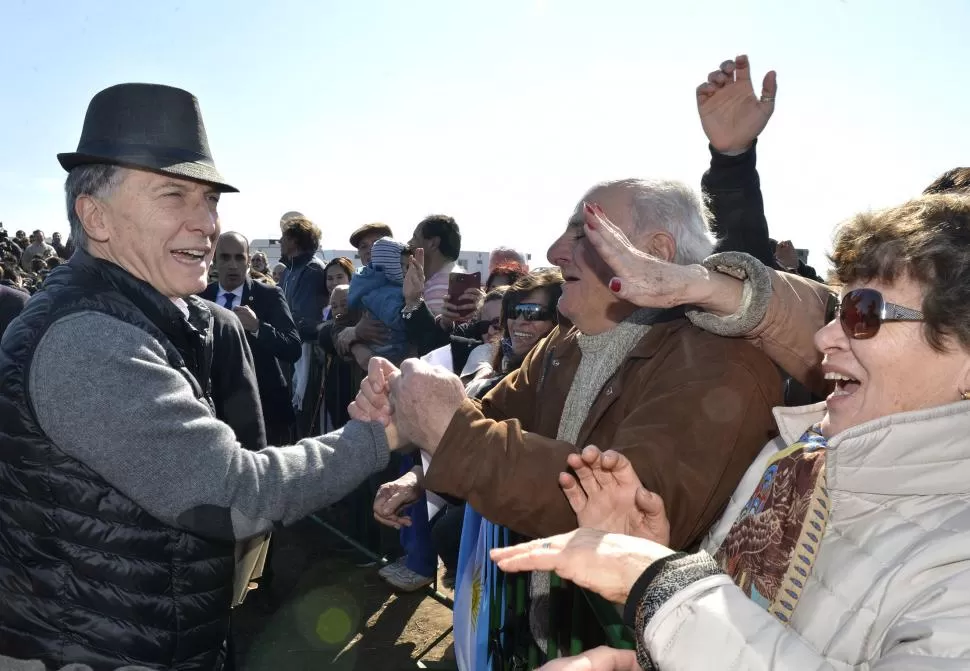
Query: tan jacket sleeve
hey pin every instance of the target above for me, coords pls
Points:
(780, 313)
(690, 427)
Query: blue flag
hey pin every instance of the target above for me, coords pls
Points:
(475, 585)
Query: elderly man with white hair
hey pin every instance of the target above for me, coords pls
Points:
(689, 409)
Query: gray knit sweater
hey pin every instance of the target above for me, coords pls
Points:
(602, 356)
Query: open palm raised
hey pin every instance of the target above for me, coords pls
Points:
(731, 114)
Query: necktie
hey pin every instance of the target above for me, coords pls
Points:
(229, 298)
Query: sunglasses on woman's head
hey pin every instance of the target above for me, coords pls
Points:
(863, 311)
(531, 312)
(484, 324)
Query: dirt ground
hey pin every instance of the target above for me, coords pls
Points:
(323, 611)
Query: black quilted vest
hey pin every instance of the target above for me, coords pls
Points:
(86, 575)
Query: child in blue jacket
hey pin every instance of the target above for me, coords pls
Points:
(379, 288)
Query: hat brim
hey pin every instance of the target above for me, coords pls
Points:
(383, 231)
(197, 172)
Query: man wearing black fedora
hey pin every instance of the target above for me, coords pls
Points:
(122, 495)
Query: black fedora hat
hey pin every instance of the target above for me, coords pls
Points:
(147, 126)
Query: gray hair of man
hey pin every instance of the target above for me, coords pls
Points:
(674, 207)
(95, 179)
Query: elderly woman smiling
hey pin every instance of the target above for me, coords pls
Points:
(847, 543)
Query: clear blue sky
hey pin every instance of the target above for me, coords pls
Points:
(500, 113)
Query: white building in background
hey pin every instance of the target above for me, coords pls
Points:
(471, 261)
(271, 248)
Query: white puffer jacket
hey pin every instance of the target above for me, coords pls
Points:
(890, 590)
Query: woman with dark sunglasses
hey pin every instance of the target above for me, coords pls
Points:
(847, 543)
(528, 315)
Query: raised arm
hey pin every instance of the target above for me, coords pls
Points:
(732, 117)
(731, 294)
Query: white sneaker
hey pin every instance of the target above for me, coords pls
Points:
(407, 580)
(392, 567)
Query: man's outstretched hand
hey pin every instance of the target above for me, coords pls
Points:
(731, 114)
(424, 399)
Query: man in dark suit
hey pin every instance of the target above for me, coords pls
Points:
(269, 326)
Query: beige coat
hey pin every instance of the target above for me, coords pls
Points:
(890, 588)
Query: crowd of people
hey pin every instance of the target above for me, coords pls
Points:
(675, 447)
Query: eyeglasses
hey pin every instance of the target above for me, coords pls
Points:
(531, 312)
(863, 311)
(482, 325)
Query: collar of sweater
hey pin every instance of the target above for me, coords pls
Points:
(635, 323)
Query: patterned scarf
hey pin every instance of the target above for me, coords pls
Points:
(772, 546)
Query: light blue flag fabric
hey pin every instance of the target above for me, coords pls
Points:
(475, 583)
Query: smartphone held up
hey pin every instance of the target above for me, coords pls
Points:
(458, 284)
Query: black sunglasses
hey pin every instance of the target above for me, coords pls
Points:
(863, 311)
(484, 324)
(531, 312)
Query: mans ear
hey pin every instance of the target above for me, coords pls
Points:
(662, 245)
(91, 212)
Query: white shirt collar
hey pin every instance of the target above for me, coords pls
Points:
(237, 292)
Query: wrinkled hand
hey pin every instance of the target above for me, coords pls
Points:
(639, 278)
(414, 278)
(395, 495)
(373, 403)
(597, 659)
(247, 317)
(786, 255)
(469, 303)
(606, 495)
(372, 330)
(608, 564)
(345, 339)
(731, 114)
(424, 398)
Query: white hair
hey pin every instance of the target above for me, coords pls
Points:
(674, 207)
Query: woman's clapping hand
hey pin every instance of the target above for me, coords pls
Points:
(606, 495)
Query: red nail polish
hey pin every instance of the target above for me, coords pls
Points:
(591, 223)
(615, 285)
(588, 208)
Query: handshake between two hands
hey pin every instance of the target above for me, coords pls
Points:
(415, 403)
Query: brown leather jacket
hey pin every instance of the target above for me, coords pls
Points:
(691, 411)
